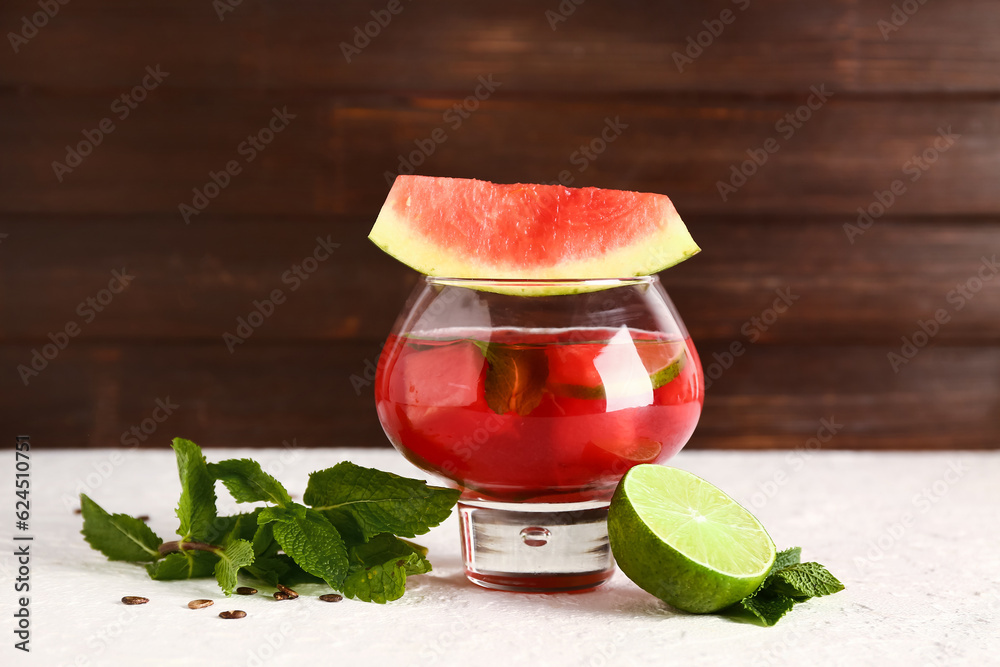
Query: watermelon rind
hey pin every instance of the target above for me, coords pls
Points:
(666, 245)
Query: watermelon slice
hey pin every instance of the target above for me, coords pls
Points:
(464, 228)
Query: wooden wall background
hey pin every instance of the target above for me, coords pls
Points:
(324, 176)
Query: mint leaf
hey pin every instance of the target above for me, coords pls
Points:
(118, 536)
(263, 541)
(422, 550)
(783, 559)
(236, 554)
(345, 523)
(378, 569)
(236, 527)
(515, 379)
(379, 501)
(196, 507)
(293, 512)
(314, 544)
(802, 581)
(767, 605)
(183, 565)
(247, 482)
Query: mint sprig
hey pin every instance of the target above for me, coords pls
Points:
(788, 583)
(379, 502)
(347, 539)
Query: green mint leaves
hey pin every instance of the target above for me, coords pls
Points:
(379, 502)
(347, 538)
(312, 542)
(237, 554)
(247, 483)
(196, 507)
(378, 568)
(118, 536)
(788, 583)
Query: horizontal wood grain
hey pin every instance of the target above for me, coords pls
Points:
(890, 84)
(193, 283)
(769, 397)
(767, 46)
(333, 157)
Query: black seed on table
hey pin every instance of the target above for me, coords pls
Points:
(134, 599)
(78, 510)
(200, 604)
(237, 613)
(143, 517)
(246, 590)
(331, 597)
(281, 595)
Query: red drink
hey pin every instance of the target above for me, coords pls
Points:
(538, 415)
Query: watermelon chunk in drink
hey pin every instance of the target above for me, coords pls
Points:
(589, 421)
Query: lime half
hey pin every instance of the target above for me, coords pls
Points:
(685, 541)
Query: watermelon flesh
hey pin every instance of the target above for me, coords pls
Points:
(465, 228)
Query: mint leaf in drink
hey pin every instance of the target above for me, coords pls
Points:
(314, 544)
(235, 555)
(802, 581)
(118, 536)
(515, 378)
(248, 483)
(379, 502)
(183, 565)
(378, 569)
(196, 507)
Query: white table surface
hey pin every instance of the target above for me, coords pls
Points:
(923, 593)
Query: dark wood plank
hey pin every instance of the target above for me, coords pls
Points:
(334, 156)
(194, 282)
(775, 396)
(940, 47)
(769, 397)
(772, 45)
(164, 149)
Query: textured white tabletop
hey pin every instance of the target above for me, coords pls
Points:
(914, 537)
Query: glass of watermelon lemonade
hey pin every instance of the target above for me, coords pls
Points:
(534, 397)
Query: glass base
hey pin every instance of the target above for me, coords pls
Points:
(536, 547)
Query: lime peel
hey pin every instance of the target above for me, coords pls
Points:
(685, 541)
